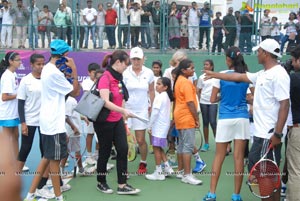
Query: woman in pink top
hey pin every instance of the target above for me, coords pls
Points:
(112, 130)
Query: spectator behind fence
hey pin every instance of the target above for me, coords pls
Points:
(89, 19)
(265, 25)
(193, 15)
(33, 24)
(110, 25)
(123, 26)
(218, 34)
(230, 29)
(205, 24)
(21, 20)
(7, 24)
(46, 19)
(100, 24)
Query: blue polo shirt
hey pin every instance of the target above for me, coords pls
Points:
(233, 102)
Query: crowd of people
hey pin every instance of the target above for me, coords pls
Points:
(141, 24)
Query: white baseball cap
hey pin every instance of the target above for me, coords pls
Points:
(136, 52)
(269, 45)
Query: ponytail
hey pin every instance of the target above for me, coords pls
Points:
(167, 82)
(237, 58)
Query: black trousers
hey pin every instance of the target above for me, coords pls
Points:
(26, 143)
(109, 133)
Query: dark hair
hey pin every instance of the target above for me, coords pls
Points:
(93, 66)
(100, 70)
(167, 82)
(211, 63)
(296, 52)
(237, 58)
(4, 64)
(294, 14)
(35, 56)
(46, 6)
(110, 59)
(184, 64)
(275, 18)
(158, 62)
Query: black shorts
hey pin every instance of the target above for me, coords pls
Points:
(259, 148)
(55, 146)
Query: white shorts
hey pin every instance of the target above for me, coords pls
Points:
(136, 124)
(88, 129)
(232, 129)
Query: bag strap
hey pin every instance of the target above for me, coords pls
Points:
(97, 82)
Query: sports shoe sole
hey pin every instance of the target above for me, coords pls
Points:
(106, 192)
(129, 193)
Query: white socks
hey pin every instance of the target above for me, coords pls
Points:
(197, 157)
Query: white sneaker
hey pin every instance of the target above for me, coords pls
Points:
(190, 179)
(168, 171)
(109, 166)
(90, 161)
(44, 193)
(87, 171)
(65, 187)
(179, 174)
(25, 168)
(155, 176)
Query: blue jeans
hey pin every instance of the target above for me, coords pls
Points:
(110, 33)
(245, 39)
(33, 32)
(284, 39)
(123, 28)
(145, 29)
(87, 31)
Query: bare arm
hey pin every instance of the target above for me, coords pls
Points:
(193, 110)
(214, 98)
(282, 116)
(104, 93)
(236, 77)
(151, 92)
(8, 97)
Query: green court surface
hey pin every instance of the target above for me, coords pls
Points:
(84, 188)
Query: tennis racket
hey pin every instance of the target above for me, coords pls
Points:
(264, 177)
(76, 149)
(132, 148)
(199, 138)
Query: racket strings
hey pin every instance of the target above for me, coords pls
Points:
(265, 179)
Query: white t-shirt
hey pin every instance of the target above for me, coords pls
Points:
(271, 86)
(30, 91)
(89, 14)
(193, 19)
(8, 85)
(161, 123)
(6, 17)
(74, 116)
(206, 87)
(87, 84)
(138, 88)
(54, 89)
(155, 80)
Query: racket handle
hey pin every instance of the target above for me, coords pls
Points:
(75, 170)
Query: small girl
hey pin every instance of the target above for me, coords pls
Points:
(9, 117)
(159, 126)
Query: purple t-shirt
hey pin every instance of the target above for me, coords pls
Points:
(107, 81)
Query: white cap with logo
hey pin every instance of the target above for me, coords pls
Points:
(136, 52)
(269, 45)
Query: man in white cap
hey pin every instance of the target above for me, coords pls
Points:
(271, 101)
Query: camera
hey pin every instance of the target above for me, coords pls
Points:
(66, 70)
(287, 65)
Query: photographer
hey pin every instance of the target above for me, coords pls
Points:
(292, 152)
(55, 87)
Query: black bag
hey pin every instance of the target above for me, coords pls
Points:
(104, 112)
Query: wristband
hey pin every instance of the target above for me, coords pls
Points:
(278, 135)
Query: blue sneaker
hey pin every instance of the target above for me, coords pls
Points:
(210, 197)
(283, 191)
(200, 165)
(236, 197)
(205, 148)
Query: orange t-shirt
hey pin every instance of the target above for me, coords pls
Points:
(185, 92)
